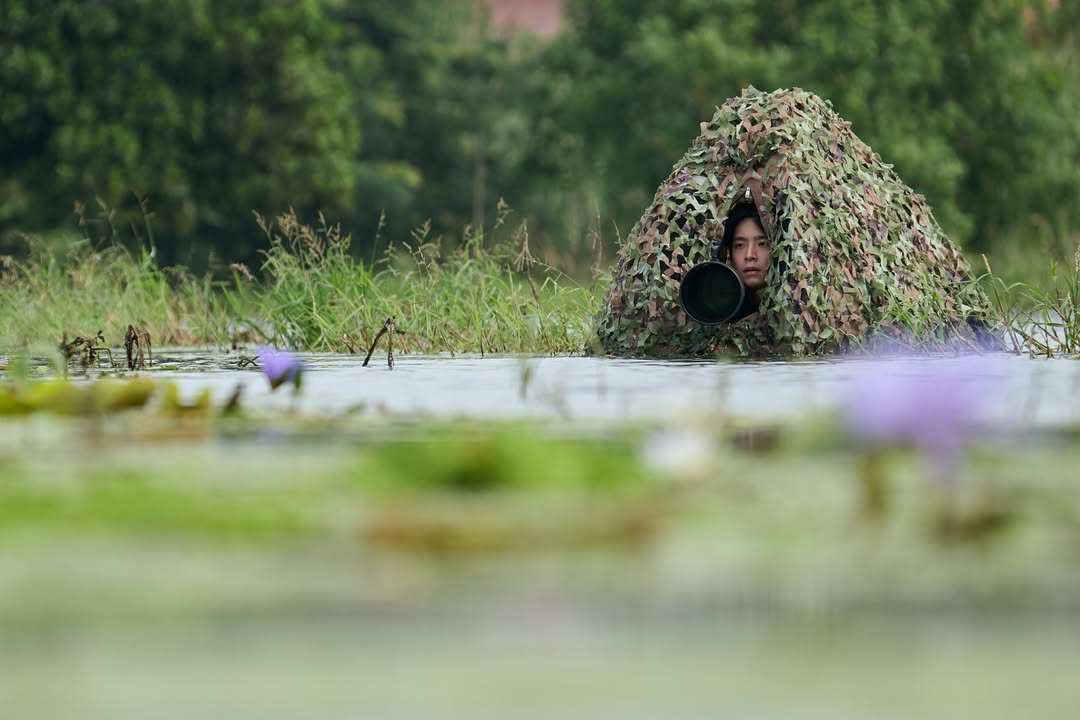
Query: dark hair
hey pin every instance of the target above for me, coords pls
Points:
(741, 211)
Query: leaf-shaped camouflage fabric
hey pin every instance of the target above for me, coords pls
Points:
(857, 253)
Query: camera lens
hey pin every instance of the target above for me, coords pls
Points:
(712, 293)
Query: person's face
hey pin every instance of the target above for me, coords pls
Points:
(751, 253)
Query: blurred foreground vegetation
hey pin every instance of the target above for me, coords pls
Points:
(199, 112)
(772, 514)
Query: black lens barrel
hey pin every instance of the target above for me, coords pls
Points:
(712, 293)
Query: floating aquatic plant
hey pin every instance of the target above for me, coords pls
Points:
(929, 405)
(87, 351)
(137, 347)
(389, 330)
(64, 397)
(280, 367)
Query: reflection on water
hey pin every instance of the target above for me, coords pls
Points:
(1030, 391)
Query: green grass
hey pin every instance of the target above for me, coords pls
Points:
(80, 290)
(1045, 319)
(313, 294)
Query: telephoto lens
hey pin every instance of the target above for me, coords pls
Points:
(712, 293)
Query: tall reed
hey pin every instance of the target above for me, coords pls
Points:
(1041, 322)
(318, 296)
(313, 295)
(80, 290)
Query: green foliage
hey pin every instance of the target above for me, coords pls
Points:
(206, 111)
(135, 501)
(629, 84)
(1044, 321)
(972, 114)
(500, 458)
(210, 109)
(976, 108)
(315, 295)
(472, 299)
(504, 485)
(393, 55)
(64, 397)
(78, 290)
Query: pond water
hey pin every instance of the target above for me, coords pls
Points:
(1018, 389)
(173, 626)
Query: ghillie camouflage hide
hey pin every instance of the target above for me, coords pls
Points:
(857, 255)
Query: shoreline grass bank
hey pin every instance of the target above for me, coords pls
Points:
(312, 294)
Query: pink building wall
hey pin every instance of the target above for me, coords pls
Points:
(541, 17)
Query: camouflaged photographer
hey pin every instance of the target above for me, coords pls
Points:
(856, 255)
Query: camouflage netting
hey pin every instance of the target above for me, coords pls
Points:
(857, 254)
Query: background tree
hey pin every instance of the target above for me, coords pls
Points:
(627, 85)
(974, 112)
(211, 109)
(462, 127)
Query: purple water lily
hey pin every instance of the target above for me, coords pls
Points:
(931, 405)
(280, 367)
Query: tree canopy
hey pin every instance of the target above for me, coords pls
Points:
(207, 111)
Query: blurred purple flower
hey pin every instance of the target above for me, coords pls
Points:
(280, 367)
(931, 405)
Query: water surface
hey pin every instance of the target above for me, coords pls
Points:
(1019, 390)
